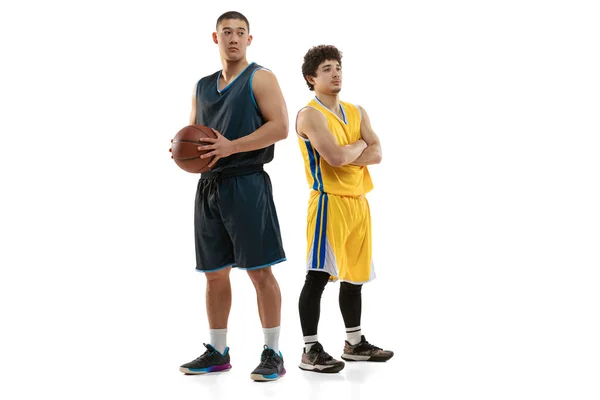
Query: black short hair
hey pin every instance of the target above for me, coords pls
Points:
(233, 15)
(315, 56)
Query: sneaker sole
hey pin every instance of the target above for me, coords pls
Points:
(202, 371)
(352, 357)
(325, 369)
(266, 378)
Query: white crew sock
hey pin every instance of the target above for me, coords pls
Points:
(272, 338)
(218, 339)
(309, 341)
(353, 335)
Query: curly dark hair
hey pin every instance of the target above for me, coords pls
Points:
(315, 56)
(233, 15)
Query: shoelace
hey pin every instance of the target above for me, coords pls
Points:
(370, 346)
(207, 353)
(266, 359)
(323, 355)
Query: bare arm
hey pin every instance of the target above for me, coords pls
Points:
(372, 154)
(193, 112)
(311, 124)
(272, 106)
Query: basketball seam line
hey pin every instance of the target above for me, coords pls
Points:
(186, 159)
(186, 141)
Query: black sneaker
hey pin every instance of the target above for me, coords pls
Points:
(365, 351)
(210, 361)
(270, 367)
(317, 360)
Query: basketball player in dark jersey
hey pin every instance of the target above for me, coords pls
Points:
(236, 222)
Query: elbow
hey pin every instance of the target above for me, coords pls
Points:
(377, 158)
(376, 154)
(283, 130)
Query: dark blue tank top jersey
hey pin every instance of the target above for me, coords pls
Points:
(234, 113)
(235, 220)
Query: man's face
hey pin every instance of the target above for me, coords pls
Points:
(233, 37)
(329, 77)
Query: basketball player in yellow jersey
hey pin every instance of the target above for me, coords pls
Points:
(337, 143)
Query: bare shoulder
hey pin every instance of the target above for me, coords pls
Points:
(266, 88)
(310, 115)
(361, 110)
(309, 120)
(364, 117)
(264, 76)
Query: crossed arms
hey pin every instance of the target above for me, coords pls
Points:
(312, 125)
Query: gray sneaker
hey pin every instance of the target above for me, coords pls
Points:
(271, 366)
(365, 351)
(317, 360)
(210, 361)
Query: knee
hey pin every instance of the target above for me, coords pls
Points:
(350, 289)
(218, 277)
(260, 277)
(316, 281)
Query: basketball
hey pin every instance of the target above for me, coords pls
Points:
(184, 148)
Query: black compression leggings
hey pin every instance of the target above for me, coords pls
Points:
(310, 302)
(350, 304)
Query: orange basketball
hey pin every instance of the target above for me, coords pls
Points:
(184, 148)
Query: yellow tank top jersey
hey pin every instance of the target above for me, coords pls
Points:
(338, 220)
(348, 180)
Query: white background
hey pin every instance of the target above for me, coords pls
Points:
(485, 208)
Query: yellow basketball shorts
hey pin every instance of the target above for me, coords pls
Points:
(339, 237)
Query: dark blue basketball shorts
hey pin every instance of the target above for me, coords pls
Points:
(235, 221)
